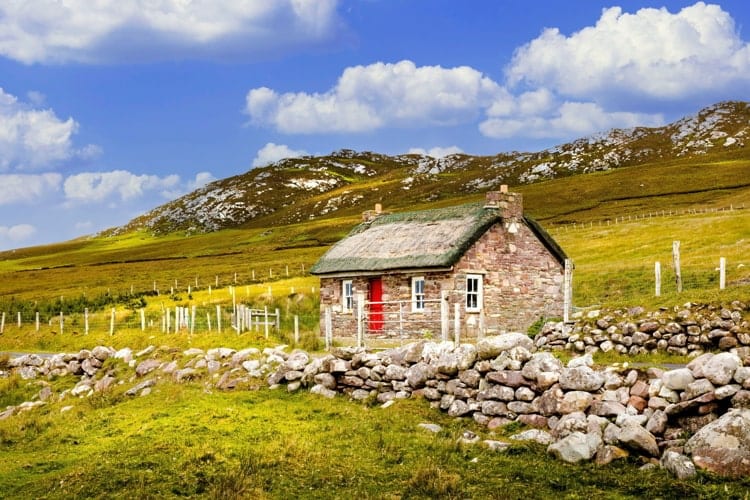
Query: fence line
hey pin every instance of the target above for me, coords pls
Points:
(564, 228)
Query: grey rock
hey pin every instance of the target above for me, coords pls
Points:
(326, 380)
(494, 408)
(297, 361)
(418, 374)
(657, 423)
(698, 388)
(535, 435)
(574, 448)
(491, 347)
(581, 378)
(458, 408)
(434, 428)
(678, 379)
(323, 391)
(140, 387)
(539, 363)
(575, 401)
(395, 372)
(638, 439)
(147, 366)
(102, 353)
(185, 374)
(721, 367)
(723, 446)
(678, 465)
(497, 446)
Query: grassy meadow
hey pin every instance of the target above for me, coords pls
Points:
(191, 440)
(185, 441)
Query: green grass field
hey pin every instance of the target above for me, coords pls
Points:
(186, 441)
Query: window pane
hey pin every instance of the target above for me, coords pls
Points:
(418, 294)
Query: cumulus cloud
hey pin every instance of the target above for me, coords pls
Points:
(50, 31)
(16, 234)
(274, 152)
(437, 151)
(121, 185)
(201, 179)
(23, 188)
(569, 118)
(32, 138)
(652, 52)
(371, 97)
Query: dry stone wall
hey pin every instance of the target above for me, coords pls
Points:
(686, 330)
(579, 411)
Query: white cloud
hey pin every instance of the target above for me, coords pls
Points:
(35, 138)
(50, 31)
(370, 97)
(201, 179)
(652, 52)
(436, 152)
(16, 234)
(570, 119)
(23, 188)
(119, 184)
(274, 152)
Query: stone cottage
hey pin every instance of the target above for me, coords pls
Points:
(476, 268)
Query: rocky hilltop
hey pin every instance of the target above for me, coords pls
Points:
(298, 189)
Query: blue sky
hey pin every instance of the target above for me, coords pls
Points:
(112, 108)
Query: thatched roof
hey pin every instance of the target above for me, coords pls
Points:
(410, 240)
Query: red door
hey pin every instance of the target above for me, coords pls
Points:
(376, 305)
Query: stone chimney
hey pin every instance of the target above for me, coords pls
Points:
(510, 204)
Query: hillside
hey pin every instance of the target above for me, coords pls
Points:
(346, 182)
(266, 223)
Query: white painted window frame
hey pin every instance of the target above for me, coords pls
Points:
(347, 296)
(417, 299)
(478, 293)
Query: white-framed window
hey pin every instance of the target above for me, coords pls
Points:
(347, 296)
(417, 294)
(473, 292)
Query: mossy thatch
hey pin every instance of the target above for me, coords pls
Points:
(416, 240)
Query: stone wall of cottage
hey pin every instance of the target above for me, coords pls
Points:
(522, 282)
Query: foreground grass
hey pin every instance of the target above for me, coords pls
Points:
(185, 441)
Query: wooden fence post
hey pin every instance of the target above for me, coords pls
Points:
(657, 277)
(456, 323)
(143, 320)
(192, 321)
(2, 323)
(265, 320)
(19, 319)
(360, 319)
(328, 328)
(112, 323)
(218, 318)
(208, 321)
(37, 320)
(296, 329)
(676, 257)
(86, 321)
(722, 273)
(444, 315)
(62, 322)
(567, 290)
